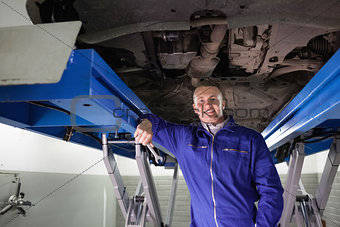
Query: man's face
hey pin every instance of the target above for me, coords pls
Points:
(209, 104)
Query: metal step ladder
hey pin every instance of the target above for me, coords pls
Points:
(144, 205)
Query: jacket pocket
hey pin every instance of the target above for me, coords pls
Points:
(197, 152)
(233, 164)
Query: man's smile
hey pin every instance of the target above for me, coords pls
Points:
(211, 113)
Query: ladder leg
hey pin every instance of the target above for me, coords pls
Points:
(328, 175)
(148, 186)
(292, 183)
(172, 198)
(115, 177)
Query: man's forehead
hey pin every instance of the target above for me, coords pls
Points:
(206, 91)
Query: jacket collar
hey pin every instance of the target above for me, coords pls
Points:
(230, 125)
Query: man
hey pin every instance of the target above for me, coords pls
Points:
(227, 167)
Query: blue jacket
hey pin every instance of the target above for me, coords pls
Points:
(225, 173)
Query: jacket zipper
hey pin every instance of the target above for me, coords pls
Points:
(212, 179)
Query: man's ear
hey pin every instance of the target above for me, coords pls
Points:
(224, 104)
(196, 110)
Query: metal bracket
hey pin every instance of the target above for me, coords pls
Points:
(16, 201)
(140, 219)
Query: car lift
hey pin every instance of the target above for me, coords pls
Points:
(91, 106)
(308, 124)
(100, 108)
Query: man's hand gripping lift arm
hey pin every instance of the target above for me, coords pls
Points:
(143, 133)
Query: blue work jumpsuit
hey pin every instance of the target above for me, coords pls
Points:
(225, 173)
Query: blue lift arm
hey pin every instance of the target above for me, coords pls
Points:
(308, 124)
(317, 106)
(89, 99)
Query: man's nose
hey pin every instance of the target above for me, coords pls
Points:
(208, 104)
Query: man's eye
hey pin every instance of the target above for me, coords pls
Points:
(201, 101)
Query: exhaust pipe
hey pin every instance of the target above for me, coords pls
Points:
(202, 66)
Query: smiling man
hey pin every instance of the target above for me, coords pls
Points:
(227, 167)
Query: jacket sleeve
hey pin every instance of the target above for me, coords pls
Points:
(267, 181)
(167, 134)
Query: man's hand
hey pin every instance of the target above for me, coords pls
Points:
(143, 133)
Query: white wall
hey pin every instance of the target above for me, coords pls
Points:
(312, 164)
(26, 151)
(22, 150)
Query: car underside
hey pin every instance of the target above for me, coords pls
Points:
(262, 53)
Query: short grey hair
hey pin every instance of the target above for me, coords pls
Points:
(208, 83)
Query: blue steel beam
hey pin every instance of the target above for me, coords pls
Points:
(317, 103)
(38, 116)
(89, 89)
(92, 96)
